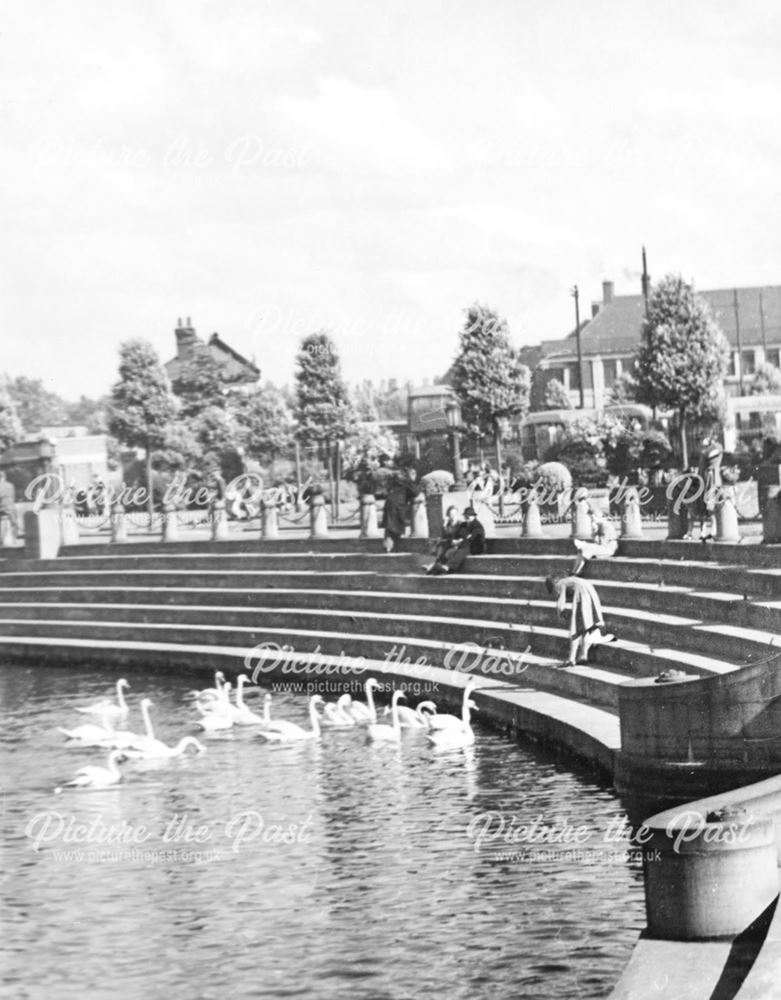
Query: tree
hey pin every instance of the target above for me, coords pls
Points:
(36, 406)
(199, 384)
(488, 377)
(556, 396)
(767, 380)
(142, 405)
(265, 423)
(683, 357)
(323, 410)
(623, 390)
(366, 451)
(10, 424)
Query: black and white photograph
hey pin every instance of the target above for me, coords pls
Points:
(390, 500)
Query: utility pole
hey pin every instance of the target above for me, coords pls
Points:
(577, 337)
(646, 282)
(737, 333)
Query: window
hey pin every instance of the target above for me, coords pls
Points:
(773, 356)
(748, 362)
(731, 369)
(610, 369)
(574, 376)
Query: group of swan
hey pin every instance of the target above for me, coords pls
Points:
(123, 744)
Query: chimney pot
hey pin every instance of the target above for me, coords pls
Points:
(188, 321)
(607, 292)
(594, 309)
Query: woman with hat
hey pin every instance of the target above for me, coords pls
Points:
(468, 539)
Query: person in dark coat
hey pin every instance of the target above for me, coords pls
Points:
(468, 539)
(447, 540)
(396, 512)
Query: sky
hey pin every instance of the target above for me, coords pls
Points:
(271, 168)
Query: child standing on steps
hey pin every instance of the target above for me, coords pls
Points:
(587, 626)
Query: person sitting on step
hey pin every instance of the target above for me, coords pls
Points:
(468, 539)
(447, 539)
(603, 542)
(587, 625)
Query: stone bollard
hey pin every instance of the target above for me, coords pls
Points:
(42, 533)
(419, 517)
(707, 876)
(268, 519)
(318, 520)
(369, 527)
(69, 525)
(631, 519)
(170, 523)
(219, 521)
(118, 523)
(771, 516)
(581, 515)
(727, 516)
(532, 523)
(7, 533)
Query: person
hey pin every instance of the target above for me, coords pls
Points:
(587, 625)
(396, 512)
(7, 508)
(468, 539)
(709, 470)
(603, 544)
(447, 539)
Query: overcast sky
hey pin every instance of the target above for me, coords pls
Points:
(273, 167)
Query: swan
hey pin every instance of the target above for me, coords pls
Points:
(338, 714)
(210, 694)
(122, 739)
(288, 732)
(454, 737)
(241, 714)
(117, 713)
(155, 749)
(97, 777)
(415, 718)
(91, 734)
(365, 713)
(452, 721)
(379, 731)
(221, 717)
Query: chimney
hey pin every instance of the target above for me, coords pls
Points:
(607, 292)
(594, 309)
(186, 340)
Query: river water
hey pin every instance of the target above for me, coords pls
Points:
(320, 870)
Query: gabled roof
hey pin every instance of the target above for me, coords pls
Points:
(617, 327)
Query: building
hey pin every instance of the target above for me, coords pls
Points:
(749, 317)
(237, 371)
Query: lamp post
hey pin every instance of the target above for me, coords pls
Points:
(453, 414)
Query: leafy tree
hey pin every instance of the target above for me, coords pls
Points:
(767, 380)
(683, 357)
(200, 383)
(556, 396)
(91, 412)
(36, 406)
(142, 405)
(367, 450)
(10, 424)
(623, 390)
(323, 409)
(265, 423)
(488, 377)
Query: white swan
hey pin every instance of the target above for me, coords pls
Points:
(288, 732)
(454, 737)
(97, 777)
(156, 749)
(365, 713)
(124, 738)
(91, 734)
(414, 718)
(379, 731)
(452, 721)
(241, 714)
(116, 713)
(221, 717)
(210, 694)
(338, 715)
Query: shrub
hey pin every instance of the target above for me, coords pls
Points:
(436, 482)
(553, 477)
